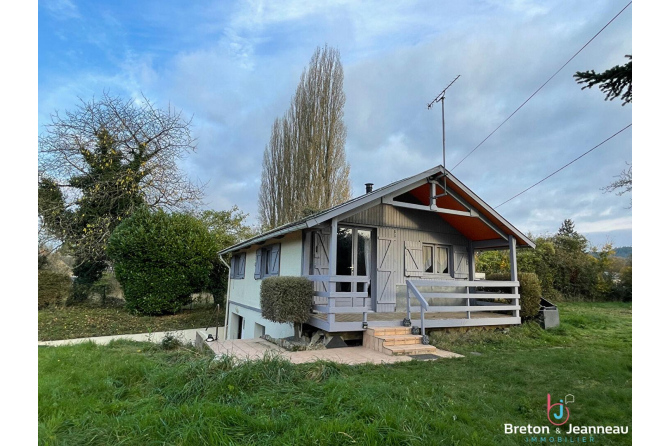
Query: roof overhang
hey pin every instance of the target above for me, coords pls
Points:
(436, 190)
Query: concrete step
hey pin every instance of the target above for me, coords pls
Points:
(389, 331)
(404, 339)
(415, 349)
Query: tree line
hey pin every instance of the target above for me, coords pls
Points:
(567, 267)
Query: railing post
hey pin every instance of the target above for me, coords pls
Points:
(332, 254)
(423, 322)
(513, 269)
(409, 312)
(467, 291)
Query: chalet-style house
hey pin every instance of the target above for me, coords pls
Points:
(402, 251)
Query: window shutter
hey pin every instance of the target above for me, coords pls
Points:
(241, 260)
(460, 269)
(233, 267)
(413, 258)
(273, 270)
(259, 257)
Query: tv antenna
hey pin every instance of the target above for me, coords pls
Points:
(440, 97)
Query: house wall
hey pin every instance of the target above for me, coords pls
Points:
(245, 294)
(400, 225)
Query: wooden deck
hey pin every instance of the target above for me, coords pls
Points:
(472, 305)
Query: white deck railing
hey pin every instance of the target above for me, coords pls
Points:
(330, 284)
(413, 286)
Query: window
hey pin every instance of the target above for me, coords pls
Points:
(441, 260)
(237, 264)
(435, 259)
(425, 258)
(267, 261)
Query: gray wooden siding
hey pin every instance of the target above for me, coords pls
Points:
(456, 243)
(408, 225)
(395, 226)
(385, 215)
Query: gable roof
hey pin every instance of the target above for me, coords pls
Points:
(462, 223)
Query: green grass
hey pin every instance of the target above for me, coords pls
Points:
(132, 393)
(82, 322)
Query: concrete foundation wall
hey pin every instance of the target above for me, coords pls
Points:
(249, 328)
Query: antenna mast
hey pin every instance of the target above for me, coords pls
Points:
(440, 97)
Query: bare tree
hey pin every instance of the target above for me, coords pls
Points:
(304, 165)
(102, 160)
(623, 185)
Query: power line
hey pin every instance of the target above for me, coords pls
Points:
(542, 86)
(556, 171)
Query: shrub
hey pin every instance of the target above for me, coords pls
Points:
(170, 341)
(218, 282)
(498, 276)
(52, 289)
(286, 299)
(160, 259)
(530, 294)
(553, 295)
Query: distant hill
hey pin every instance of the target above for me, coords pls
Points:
(623, 251)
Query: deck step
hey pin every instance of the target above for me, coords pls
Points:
(395, 341)
(389, 331)
(415, 349)
(404, 339)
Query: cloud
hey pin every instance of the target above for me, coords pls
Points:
(61, 9)
(233, 66)
(609, 225)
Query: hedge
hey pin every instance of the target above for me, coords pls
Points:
(160, 259)
(530, 292)
(53, 289)
(286, 299)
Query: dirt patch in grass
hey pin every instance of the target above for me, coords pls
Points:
(83, 322)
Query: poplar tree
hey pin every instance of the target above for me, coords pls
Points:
(304, 165)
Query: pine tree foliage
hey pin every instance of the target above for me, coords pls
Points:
(615, 82)
(304, 164)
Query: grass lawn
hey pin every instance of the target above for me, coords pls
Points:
(83, 322)
(135, 393)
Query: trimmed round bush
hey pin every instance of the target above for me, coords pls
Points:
(160, 259)
(53, 289)
(286, 299)
(530, 292)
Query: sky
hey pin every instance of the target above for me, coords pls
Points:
(233, 66)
